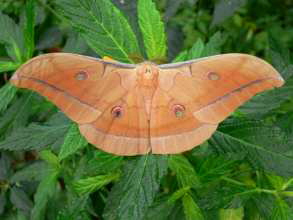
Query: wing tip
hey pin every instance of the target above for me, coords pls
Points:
(275, 74)
(15, 80)
(279, 81)
(14, 77)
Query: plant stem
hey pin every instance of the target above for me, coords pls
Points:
(232, 181)
(258, 190)
(287, 193)
(287, 184)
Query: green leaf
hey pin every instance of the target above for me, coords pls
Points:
(213, 46)
(287, 184)
(8, 66)
(179, 194)
(276, 181)
(129, 9)
(285, 121)
(20, 199)
(36, 136)
(103, 162)
(2, 202)
(136, 190)
(281, 210)
(181, 57)
(280, 55)
(83, 215)
(213, 167)
(159, 210)
(184, 171)
(28, 30)
(103, 26)
(50, 38)
(50, 158)
(91, 184)
(282, 65)
(17, 115)
(12, 37)
(7, 93)
(75, 44)
(196, 50)
(45, 190)
(72, 143)
(75, 209)
(21, 215)
(152, 30)
(32, 172)
(261, 104)
(259, 155)
(5, 164)
(231, 214)
(199, 49)
(191, 209)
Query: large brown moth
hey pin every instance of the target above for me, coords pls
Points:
(130, 109)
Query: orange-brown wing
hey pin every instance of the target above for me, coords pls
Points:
(123, 128)
(80, 86)
(86, 90)
(196, 96)
(173, 127)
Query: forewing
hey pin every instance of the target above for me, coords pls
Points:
(80, 86)
(210, 89)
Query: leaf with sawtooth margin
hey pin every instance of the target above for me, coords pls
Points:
(152, 29)
(37, 136)
(103, 26)
(7, 93)
(264, 146)
(137, 188)
(72, 143)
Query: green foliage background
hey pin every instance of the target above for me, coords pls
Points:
(49, 171)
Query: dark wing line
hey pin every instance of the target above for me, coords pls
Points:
(239, 89)
(46, 84)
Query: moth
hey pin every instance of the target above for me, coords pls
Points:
(131, 109)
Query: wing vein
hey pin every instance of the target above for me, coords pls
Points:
(46, 84)
(239, 89)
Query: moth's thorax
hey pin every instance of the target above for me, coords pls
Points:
(147, 81)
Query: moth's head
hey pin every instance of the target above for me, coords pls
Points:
(148, 71)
